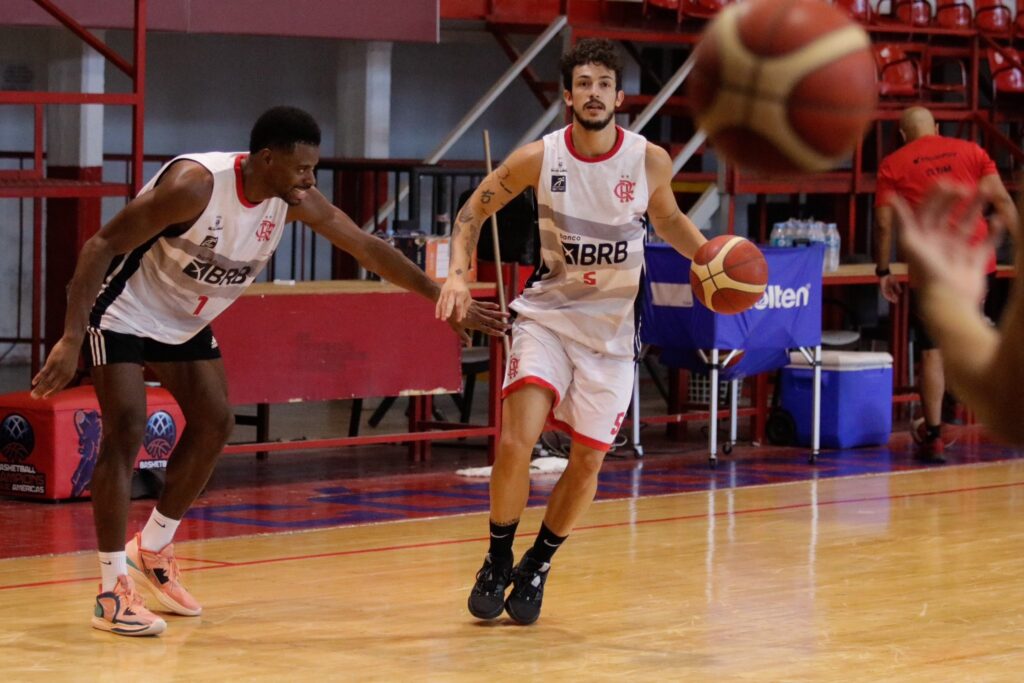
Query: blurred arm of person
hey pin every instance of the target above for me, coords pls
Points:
(984, 365)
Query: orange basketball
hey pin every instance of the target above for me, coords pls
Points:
(783, 85)
(728, 274)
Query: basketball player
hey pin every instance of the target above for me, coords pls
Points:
(144, 292)
(909, 173)
(985, 366)
(575, 336)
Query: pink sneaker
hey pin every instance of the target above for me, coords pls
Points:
(158, 573)
(122, 611)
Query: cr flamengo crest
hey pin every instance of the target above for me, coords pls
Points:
(624, 190)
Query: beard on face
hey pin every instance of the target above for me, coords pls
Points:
(600, 124)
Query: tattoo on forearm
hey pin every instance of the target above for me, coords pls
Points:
(485, 196)
(458, 271)
(505, 187)
(465, 216)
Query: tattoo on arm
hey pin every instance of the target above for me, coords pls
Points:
(505, 187)
(485, 196)
(458, 271)
(465, 216)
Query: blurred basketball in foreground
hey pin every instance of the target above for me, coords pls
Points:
(784, 85)
(728, 274)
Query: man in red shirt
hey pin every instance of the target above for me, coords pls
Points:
(909, 173)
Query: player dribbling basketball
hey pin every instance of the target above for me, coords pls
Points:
(574, 340)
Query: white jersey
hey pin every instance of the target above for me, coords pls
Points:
(592, 243)
(171, 287)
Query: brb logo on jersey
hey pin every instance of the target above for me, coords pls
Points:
(589, 254)
(624, 190)
(265, 230)
(212, 274)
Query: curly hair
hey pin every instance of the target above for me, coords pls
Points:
(592, 51)
(283, 128)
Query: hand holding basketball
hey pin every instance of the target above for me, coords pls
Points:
(728, 274)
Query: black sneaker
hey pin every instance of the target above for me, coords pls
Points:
(528, 578)
(488, 595)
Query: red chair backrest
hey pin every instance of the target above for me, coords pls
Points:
(703, 8)
(860, 10)
(665, 4)
(953, 14)
(992, 16)
(1006, 75)
(897, 72)
(913, 12)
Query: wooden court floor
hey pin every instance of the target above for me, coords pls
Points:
(909, 576)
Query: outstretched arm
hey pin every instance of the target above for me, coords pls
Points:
(520, 170)
(670, 223)
(380, 257)
(180, 197)
(984, 366)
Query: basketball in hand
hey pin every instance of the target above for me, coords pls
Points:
(784, 85)
(728, 274)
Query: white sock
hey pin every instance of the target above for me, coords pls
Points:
(112, 565)
(158, 532)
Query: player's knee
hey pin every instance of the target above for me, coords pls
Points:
(217, 424)
(515, 445)
(588, 463)
(123, 431)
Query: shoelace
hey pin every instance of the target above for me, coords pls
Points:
(133, 598)
(171, 566)
(488, 575)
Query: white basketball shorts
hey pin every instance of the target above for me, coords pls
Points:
(592, 390)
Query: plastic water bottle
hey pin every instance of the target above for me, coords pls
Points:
(816, 232)
(776, 239)
(801, 233)
(832, 243)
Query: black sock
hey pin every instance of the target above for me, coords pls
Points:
(933, 432)
(546, 544)
(502, 536)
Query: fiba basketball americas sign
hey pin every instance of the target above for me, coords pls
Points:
(34, 444)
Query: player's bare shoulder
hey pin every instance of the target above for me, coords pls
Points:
(522, 168)
(658, 165)
(186, 183)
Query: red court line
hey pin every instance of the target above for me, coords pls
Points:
(218, 564)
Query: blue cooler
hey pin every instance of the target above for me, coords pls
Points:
(856, 398)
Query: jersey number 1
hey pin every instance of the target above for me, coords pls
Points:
(202, 302)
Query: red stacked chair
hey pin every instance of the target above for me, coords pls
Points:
(898, 73)
(993, 16)
(701, 9)
(954, 14)
(913, 12)
(672, 5)
(1007, 75)
(859, 10)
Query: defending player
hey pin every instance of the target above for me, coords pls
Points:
(575, 335)
(146, 287)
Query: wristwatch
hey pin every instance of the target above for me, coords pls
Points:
(882, 272)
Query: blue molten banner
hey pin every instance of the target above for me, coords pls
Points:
(786, 317)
